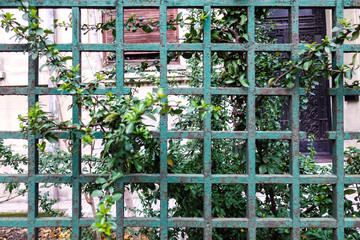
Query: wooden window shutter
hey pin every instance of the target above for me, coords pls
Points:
(140, 36)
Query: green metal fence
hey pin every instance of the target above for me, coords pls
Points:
(338, 179)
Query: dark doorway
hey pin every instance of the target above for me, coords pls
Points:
(316, 119)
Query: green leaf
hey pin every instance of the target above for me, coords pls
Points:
(100, 181)
(262, 169)
(97, 193)
(243, 19)
(129, 128)
(349, 191)
(66, 58)
(290, 84)
(244, 81)
(355, 35)
(307, 65)
(116, 197)
(111, 117)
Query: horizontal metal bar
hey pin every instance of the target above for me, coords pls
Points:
(347, 135)
(274, 178)
(13, 222)
(346, 91)
(183, 134)
(53, 222)
(186, 222)
(141, 222)
(352, 222)
(185, 178)
(318, 222)
(179, 3)
(318, 179)
(351, 135)
(230, 223)
(273, 222)
(13, 178)
(172, 47)
(188, 178)
(12, 135)
(352, 179)
(53, 178)
(229, 178)
(148, 47)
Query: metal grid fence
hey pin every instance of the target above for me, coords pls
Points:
(338, 179)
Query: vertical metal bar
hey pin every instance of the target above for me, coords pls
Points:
(294, 126)
(119, 47)
(338, 148)
(33, 156)
(207, 126)
(250, 127)
(163, 126)
(119, 87)
(76, 150)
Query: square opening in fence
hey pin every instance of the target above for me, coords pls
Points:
(229, 112)
(272, 156)
(181, 113)
(91, 162)
(185, 69)
(272, 113)
(230, 233)
(317, 233)
(272, 25)
(352, 200)
(98, 67)
(55, 200)
(229, 25)
(58, 107)
(352, 154)
(59, 21)
(14, 69)
(51, 78)
(56, 158)
(229, 69)
(229, 200)
(315, 157)
(273, 200)
(185, 25)
(273, 69)
(13, 200)
(98, 25)
(228, 156)
(186, 113)
(185, 156)
(142, 200)
(11, 106)
(142, 69)
(273, 233)
(316, 200)
(186, 233)
(316, 23)
(90, 202)
(13, 233)
(142, 233)
(351, 81)
(89, 233)
(185, 200)
(141, 26)
(13, 156)
(54, 233)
